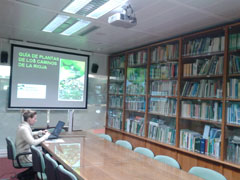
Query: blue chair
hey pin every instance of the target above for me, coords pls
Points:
(11, 154)
(51, 166)
(63, 174)
(145, 151)
(124, 143)
(167, 160)
(38, 163)
(207, 174)
(105, 136)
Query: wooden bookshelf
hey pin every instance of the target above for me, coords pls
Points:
(153, 52)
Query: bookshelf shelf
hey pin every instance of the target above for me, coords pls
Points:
(233, 125)
(115, 108)
(201, 99)
(129, 110)
(205, 55)
(163, 96)
(202, 120)
(234, 75)
(157, 89)
(201, 77)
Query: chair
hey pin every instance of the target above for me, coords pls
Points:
(205, 173)
(167, 160)
(124, 143)
(11, 154)
(63, 174)
(38, 163)
(51, 166)
(105, 136)
(145, 151)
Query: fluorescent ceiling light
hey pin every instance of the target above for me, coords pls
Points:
(75, 6)
(57, 21)
(105, 8)
(75, 27)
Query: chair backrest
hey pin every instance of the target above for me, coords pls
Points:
(205, 173)
(11, 150)
(124, 143)
(167, 160)
(145, 151)
(105, 136)
(37, 159)
(63, 174)
(51, 166)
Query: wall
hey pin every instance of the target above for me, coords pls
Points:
(91, 118)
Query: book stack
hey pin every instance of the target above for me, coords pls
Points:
(138, 58)
(233, 113)
(204, 46)
(165, 53)
(233, 88)
(195, 142)
(136, 88)
(115, 119)
(158, 131)
(234, 41)
(115, 101)
(163, 88)
(234, 64)
(136, 103)
(164, 71)
(116, 88)
(211, 111)
(117, 74)
(163, 106)
(135, 125)
(200, 67)
(117, 62)
(204, 88)
(233, 150)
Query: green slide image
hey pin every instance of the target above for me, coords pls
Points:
(71, 80)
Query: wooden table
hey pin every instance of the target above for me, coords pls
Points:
(92, 158)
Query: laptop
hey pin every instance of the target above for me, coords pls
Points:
(57, 130)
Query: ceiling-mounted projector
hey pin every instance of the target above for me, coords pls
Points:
(126, 19)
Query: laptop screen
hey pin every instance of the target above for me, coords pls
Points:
(58, 128)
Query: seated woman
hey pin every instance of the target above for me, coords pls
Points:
(25, 137)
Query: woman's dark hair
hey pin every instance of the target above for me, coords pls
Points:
(28, 114)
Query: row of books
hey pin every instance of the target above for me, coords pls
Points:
(136, 103)
(135, 125)
(137, 58)
(116, 88)
(117, 62)
(117, 74)
(233, 149)
(211, 111)
(136, 88)
(204, 45)
(163, 106)
(163, 88)
(233, 113)
(233, 88)
(115, 101)
(165, 53)
(204, 88)
(115, 119)
(234, 41)
(213, 66)
(193, 141)
(163, 71)
(234, 64)
(158, 131)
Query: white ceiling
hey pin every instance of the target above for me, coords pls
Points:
(156, 20)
